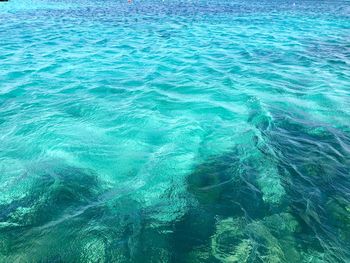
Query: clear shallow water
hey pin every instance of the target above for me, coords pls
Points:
(172, 131)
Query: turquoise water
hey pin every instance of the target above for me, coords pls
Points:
(175, 131)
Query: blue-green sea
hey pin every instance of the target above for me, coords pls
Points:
(182, 131)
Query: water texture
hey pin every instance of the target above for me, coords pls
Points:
(175, 131)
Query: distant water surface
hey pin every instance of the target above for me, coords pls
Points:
(175, 131)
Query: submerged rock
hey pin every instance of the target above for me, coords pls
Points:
(53, 192)
(273, 203)
(339, 212)
(229, 243)
(315, 161)
(270, 239)
(50, 195)
(246, 176)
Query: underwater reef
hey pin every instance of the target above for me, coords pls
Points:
(258, 202)
(299, 214)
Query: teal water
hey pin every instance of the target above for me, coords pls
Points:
(175, 131)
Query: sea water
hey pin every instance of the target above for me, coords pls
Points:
(175, 131)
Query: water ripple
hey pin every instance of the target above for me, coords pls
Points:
(174, 131)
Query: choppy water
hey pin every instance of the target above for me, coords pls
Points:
(168, 131)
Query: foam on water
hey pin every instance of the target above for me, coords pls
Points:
(174, 131)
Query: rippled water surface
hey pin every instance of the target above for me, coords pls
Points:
(175, 131)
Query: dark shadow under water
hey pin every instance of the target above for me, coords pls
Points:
(281, 197)
(309, 223)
